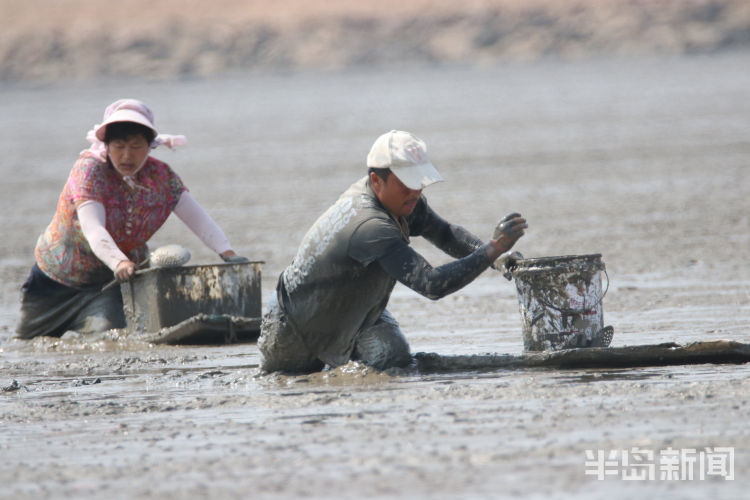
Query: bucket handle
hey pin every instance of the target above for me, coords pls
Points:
(582, 311)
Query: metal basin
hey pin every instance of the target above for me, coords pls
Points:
(219, 303)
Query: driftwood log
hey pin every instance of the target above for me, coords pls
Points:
(214, 329)
(712, 351)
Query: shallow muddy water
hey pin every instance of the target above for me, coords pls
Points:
(644, 161)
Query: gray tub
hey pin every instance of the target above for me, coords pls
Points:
(215, 303)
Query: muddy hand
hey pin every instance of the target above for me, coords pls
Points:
(508, 231)
(507, 224)
(511, 228)
(236, 259)
(232, 258)
(506, 263)
(125, 270)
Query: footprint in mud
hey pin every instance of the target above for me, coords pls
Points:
(13, 387)
(80, 382)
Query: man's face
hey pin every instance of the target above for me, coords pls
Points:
(398, 199)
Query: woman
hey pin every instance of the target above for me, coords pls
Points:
(115, 199)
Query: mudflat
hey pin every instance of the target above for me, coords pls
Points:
(643, 160)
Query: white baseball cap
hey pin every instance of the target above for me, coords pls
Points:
(406, 156)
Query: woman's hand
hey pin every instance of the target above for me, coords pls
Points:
(125, 270)
(232, 258)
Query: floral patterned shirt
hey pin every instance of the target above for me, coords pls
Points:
(132, 217)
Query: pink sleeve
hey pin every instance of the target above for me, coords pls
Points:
(86, 180)
(175, 186)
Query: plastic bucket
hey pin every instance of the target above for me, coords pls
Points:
(560, 300)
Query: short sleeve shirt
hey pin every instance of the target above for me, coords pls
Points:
(132, 217)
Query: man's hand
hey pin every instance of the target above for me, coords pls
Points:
(507, 232)
(125, 270)
(506, 263)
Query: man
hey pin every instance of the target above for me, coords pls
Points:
(331, 301)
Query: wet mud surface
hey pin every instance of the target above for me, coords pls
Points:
(171, 424)
(644, 162)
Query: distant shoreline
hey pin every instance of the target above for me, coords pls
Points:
(75, 39)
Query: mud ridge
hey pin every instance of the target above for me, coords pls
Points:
(73, 39)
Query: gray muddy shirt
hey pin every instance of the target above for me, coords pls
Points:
(349, 261)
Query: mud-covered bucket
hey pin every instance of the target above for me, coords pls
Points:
(560, 300)
(214, 303)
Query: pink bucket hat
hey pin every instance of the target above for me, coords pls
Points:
(126, 110)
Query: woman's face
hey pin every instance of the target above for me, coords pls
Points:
(128, 154)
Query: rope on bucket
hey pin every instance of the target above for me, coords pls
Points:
(571, 312)
(553, 294)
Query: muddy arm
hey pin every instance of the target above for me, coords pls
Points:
(411, 269)
(450, 238)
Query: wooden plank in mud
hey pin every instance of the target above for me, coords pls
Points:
(214, 329)
(712, 351)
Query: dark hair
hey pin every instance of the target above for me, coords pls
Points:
(125, 130)
(383, 173)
